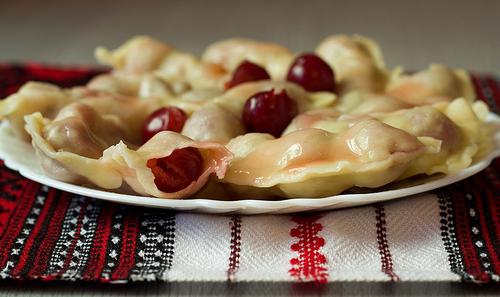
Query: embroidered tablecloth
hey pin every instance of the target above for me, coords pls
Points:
(451, 234)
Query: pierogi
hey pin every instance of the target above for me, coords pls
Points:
(251, 119)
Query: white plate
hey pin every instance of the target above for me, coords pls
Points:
(20, 156)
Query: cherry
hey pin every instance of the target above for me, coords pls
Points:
(245, 72)
(178, 170)
(312, 73)
(268, 112)
(163, 119)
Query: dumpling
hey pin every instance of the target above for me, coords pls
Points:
(325, 119)
(181, 69)
(151, 88)
(437, 83)
(452, 132)
(80, 146)
(49, 99)
(79, 129)
(476, 134)
(213, 123)
(460, 132)
(133, 164)
(357, 62)
(316, 163)
(234, 99)
(193, 100)
(139, 55)
(70, 146)
(32, 97)
(130, 110)
(362, 102)
(432, 127)
(231, 52)
(134, 86)
(143, 55)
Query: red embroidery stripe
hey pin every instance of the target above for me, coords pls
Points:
(42, 258)
(129, 243)
(463, 232)
(483, 213)
(310, 263)
(98, 252)
(11, 186)
(493, 179)
(383, 246)
(15, 223)
(234, 257)
(38, 232)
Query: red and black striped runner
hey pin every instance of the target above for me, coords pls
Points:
(49, 235)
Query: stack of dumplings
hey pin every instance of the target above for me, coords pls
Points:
(378, 126)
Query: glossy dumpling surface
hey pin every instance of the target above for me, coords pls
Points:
(437, 83)
(132, 164)
(32, 97)
(316, 163)
(231, 52)
(70, 148)
(357, 62)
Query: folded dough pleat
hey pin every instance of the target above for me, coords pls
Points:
(132, 164)
(460, 131)
(213, 123)
(437, 83)
(453, 132)
(357, 62)
(138, 55)
(316, 163)
(32, 97)
(363, 102)
(144, 55)
(229, 53)
(49, 99)
(69, 148)
(131, 111)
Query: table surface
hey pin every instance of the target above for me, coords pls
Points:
(457, 33)
(429, 289)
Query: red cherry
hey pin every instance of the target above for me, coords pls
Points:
(312, 73)
(163, 119)
(178, 170)
(245, 72)
(268, 112)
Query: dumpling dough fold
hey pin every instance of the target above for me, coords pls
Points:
(144, 55)
(82, 147)
(132, 164)
(231, 52)
(357, 62)
(32, 97)
(437, 83)
(453, 132)
(70, 147)
(316, 163)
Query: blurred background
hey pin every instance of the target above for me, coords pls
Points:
(412, 33)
